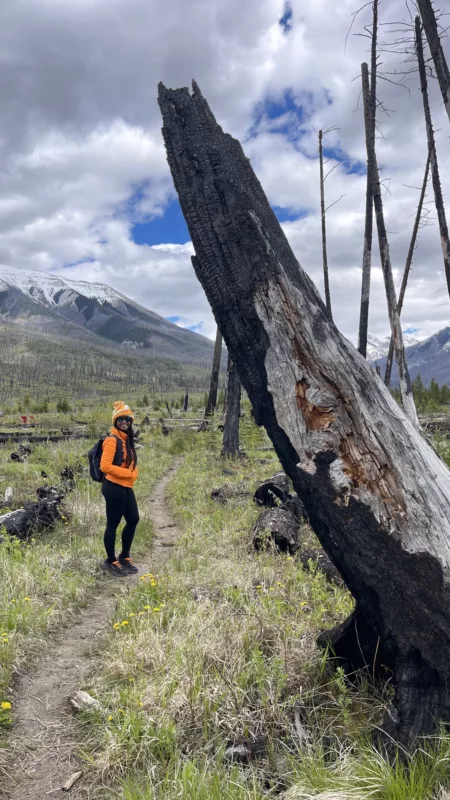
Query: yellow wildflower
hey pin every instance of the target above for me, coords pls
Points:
(156, 608)
(147, 608)
(116, 625)
(5, 706)
(125, 622)
(271, 589)
(110, 718)
(27, 599)
(132, 614)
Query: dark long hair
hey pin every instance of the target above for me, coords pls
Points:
(131, 449)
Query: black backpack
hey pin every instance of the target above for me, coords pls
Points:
(95, 456)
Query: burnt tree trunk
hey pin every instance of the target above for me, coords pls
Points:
(371, 99)
(394, 318)
(326, 281)
(434, 43)
(438, 198)
(232, 413)
(376, 494)
(409, 258)
(214, 384)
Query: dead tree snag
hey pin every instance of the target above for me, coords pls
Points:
(214, 384)
(376, 494)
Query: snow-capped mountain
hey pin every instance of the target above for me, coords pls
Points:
(56, 304)
(430, 358)
(42, 287)
(379, 348)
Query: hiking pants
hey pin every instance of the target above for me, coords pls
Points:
(120, 502)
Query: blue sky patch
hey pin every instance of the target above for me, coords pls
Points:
(350, 166)
(287, 214)
(170, 227)
(285, 109)
(87, 260)
(286, 19)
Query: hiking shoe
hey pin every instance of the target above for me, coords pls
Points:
(128, 565)
(115, 568)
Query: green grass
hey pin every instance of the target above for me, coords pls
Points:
(219, 647)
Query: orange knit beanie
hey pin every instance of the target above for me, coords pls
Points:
(121, 410)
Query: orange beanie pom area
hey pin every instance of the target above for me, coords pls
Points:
(121, 410)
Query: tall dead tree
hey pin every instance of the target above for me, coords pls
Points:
(368, 223)
(376, 494)
(407, 270)
(394, 318)
(214, 384)
(437, 52)
(438, 198)
(230, 446)
(326, 280)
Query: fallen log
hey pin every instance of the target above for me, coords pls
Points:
(277, 528)
(273, 491)
(33, 517)
(27, 437)
(377, 496)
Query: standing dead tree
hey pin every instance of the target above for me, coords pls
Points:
(214, 384)
(368, 223)
(326, 280)
(434, 43)
(394, 318)
(407, 270)
(438, 198)
(375, 493)
(230, 446)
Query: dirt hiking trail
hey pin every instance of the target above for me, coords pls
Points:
(42, 749)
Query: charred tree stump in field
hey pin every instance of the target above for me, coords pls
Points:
(377, 496)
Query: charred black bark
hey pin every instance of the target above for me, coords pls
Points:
(376, 494)
(371, 101)
(214, 384)
(438, 197)
(232, 413)
(437, 52)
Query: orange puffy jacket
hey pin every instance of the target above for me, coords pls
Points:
(123, 475)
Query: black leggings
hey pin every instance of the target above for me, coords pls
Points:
(120, 502)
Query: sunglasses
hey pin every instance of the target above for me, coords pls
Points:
(125, 419)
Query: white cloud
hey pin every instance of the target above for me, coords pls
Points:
(80, 132)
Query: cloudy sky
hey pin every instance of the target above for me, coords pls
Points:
(85, 190)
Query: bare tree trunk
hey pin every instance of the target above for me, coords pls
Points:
(376, 494)
(326, 281)
(438, 198)
(232, 413)
(368, 225)
(212, 397)
(409, 258)
(185, 402)
(434, 43)
(394, 318)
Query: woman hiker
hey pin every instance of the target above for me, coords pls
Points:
(117, 489)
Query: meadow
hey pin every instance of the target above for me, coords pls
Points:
(209, 677)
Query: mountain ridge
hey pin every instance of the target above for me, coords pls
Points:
(51, 303)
